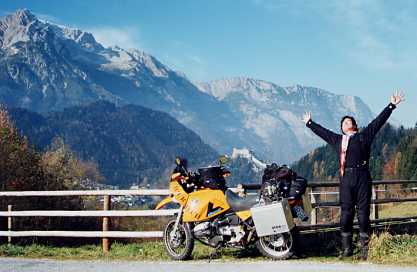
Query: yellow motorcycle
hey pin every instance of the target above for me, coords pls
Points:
(218, 217)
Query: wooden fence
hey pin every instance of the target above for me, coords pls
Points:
(106, 213)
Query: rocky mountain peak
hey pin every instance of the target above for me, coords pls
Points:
(15, 27)
(21, 17)
(48, 67)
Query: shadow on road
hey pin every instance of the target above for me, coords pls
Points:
(324, 244)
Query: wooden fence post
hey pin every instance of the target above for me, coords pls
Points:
(374, 214)
(106, 223)
(313, 214)
(9, 223)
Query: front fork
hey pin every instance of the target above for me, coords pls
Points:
(177, 222)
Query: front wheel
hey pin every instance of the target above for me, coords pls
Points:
(279, 246)
(179, 244)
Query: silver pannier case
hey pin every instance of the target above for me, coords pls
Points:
(272, 218)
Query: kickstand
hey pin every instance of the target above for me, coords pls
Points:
(214, 253)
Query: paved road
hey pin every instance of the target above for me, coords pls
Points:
(33, 265)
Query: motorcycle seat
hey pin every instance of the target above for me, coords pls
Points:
(238, 203)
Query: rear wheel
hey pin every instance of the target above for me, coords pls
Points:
(179, 244)
(278, 246)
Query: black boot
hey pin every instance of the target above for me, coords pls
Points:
(364, 238)
(347, 249)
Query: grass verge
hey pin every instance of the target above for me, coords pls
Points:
(145, 251)
(389, 249)
(384, 249)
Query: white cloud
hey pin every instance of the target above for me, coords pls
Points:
(124, 37)
(377, 34)
(380, 37)
(194, 66)
(48, 18)
(195, 59)
(184, 58)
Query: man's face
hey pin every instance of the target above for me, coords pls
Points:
(347, 125)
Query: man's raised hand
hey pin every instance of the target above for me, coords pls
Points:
(397, 98)
(307, 116)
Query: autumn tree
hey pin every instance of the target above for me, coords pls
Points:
(22, 168)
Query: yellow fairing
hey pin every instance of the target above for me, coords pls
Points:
(178, 193)
(204, 204)
(164, 202)
(244, 214)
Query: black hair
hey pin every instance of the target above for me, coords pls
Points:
(182, 165)
(355, 125)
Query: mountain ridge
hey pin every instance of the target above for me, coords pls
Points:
(46, 67)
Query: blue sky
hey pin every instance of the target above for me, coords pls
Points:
(363, 48)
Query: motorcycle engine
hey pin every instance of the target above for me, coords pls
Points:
(226, 230)
(206, 232)
(233, 233)
(203, 230)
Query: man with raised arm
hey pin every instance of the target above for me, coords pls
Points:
(354, 149)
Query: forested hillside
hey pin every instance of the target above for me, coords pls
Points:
(393, 156)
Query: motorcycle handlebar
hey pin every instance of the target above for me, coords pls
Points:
(252, 186)
(249, 186)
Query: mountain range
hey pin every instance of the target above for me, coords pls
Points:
(46, 67)
(274, 113)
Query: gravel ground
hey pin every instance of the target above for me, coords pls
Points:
(34, 265)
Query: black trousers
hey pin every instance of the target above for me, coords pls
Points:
(355, 191)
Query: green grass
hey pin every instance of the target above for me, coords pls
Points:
(389, 249)
(398, 210)
(384, 249)
(132, 251)
(150, 251)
